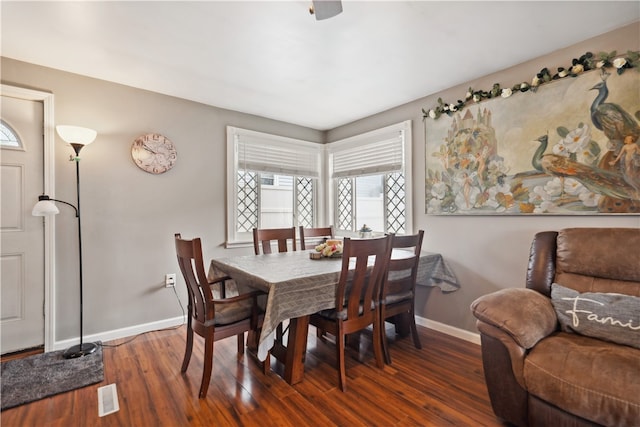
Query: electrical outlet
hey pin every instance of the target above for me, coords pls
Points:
(170, 280)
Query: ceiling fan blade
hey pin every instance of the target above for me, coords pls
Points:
(324, 9)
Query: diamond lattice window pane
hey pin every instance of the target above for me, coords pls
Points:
(396, 207)
(345, 204)
(247, 201)
(304, 201)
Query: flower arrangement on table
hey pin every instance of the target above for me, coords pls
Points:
(331, 248)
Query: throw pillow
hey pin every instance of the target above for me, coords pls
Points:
(608, 316)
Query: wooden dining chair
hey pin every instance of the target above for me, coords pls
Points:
(212, 319)
(397, 298)
(262, 238)
(317, 232)
(356, 297)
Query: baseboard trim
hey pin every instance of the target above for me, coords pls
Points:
(176, 321)
(122, 333)
(449, 330)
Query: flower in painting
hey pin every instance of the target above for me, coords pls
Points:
(577, 69)
(506, 92)
(435, 206)
(619, 63)
(587, 157)
(536, 81)
(476, 97)
(560, 149)
(497, 167)
(589, 198)
(432, 113)
(577, 139)
(600, 64)
(546, 206)
(562, 72)
(572, 186)
(539, 195)
(439, 190)
(553, 187)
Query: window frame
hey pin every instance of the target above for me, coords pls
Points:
(235, 138)
(362, 141)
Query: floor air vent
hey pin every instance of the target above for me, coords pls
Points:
(108, 400)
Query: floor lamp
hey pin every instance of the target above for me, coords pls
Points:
(77, 137)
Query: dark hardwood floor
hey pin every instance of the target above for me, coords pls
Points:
(440, 385)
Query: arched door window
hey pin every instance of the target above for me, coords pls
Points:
(8, 137)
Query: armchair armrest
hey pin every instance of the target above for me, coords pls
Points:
(524, 314)
(250, 295)
(222, 280)
(511, 321)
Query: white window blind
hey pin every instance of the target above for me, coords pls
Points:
(377, 152)
(261, 152)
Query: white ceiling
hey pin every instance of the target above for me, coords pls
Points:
(273, 59)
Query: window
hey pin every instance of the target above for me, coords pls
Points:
(8, 137)
(369, 176)
(276, 182)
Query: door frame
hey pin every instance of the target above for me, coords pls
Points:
(49, 188)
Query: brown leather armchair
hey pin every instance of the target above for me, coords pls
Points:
(540, 372)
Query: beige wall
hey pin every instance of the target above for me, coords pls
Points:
(486, 253)
(129, 216)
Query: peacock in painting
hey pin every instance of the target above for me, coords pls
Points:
(616, 177)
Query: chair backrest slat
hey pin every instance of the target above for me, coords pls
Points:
(262, 238)
(317, 232)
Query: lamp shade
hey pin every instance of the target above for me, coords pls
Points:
(45, 208)
(76, 134)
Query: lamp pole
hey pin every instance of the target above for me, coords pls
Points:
(81, 349)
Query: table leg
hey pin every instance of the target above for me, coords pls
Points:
(402, 324)
(296, 348)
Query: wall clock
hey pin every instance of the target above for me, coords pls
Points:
(153, 153)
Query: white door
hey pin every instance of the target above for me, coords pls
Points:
(22, 235)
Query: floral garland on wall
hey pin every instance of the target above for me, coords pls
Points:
(578, 66)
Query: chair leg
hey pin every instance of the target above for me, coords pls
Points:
(342, 374)
(414, 332)
(208, 364)
(188, 348)
(241, 343)
(266, 365)
(377, 342)
(384, 342)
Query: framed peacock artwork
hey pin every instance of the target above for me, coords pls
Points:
(570, 148)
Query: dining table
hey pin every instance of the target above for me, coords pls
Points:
(297, 286)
